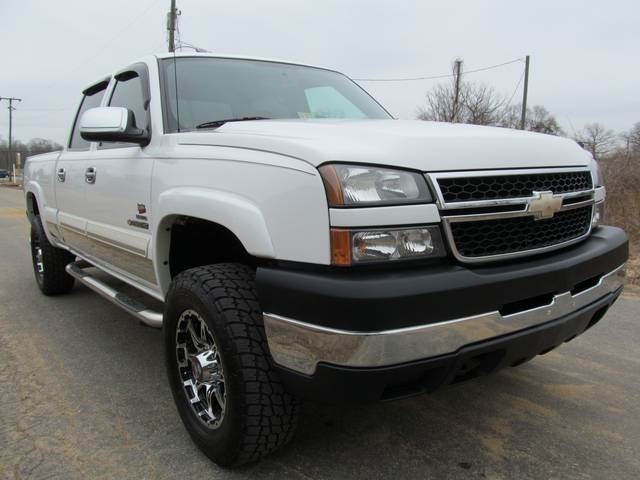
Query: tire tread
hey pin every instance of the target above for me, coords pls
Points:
(56, 280)
(271, 413)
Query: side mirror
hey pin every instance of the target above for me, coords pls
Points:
(112, 124)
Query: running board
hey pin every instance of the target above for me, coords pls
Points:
(135, 308)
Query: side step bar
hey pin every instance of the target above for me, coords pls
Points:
(135, 308)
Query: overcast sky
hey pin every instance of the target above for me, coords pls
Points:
(585, 54)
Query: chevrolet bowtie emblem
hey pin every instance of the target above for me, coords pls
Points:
(544, 205)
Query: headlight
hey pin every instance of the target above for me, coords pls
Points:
(600, 194)
(377, 245)
(360, 185)
(596, 173)
(598, 215)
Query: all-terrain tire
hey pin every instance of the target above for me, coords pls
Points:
(259, 414)
(49, 262)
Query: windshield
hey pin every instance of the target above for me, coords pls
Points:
(213, 89)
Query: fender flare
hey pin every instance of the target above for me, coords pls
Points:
(238, 214)
(47, 214)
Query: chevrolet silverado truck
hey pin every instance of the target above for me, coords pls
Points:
(306, 245)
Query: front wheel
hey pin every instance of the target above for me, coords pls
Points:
(229, 396)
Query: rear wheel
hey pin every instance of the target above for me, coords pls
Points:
(229, 396)
(49, 262)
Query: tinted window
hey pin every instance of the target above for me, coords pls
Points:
(88, 101)
(128, 94)
(210, 89)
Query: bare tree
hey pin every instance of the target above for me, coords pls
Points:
(481, 105)
(540, 120)
(35, 146)
(478, 104)
(41, 145)
(597, 139)
(632, 139)
(440, 104)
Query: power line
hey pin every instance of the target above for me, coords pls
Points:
(516, 89)
(435, 77)
(106, 44)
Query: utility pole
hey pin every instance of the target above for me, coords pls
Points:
(171, 26)
(11, 109)
(525, 92)
(457, 72)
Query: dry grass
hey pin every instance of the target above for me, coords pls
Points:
(622, 179)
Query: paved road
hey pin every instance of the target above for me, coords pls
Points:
(83, 395)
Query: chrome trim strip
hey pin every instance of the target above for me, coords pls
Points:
(447, 220)
(144, 286)
(96, 251)
(145, 315)
(116, 244)
(474, 217)
(301, 346)
(433, 180)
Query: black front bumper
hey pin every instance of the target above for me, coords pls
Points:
(368, 301)
(336, 384)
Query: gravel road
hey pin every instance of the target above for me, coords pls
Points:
(83, 395)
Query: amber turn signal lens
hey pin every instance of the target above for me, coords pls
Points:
(340, 247)
(332, 185)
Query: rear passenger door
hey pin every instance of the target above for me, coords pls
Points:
(70, 176)
(118, 199)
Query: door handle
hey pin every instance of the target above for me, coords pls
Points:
(90, 175)
(62, 174)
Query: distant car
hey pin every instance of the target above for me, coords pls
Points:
(4, 174)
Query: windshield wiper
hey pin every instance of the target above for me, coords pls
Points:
(219, 123)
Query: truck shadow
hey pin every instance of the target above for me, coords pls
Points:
(491, 426)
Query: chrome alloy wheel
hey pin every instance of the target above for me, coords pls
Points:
(38, 259)
(200, 369)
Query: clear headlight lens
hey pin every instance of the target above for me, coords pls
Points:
(361, 185)
(361, 246)
(598, 215)
(596, 173)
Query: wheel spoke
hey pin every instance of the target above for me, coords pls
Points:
(220, 397)
(202, 373)
(197, 340)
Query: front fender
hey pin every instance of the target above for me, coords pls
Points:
(237, 213)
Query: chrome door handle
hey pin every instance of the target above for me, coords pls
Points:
(90, 175)
(62, 174)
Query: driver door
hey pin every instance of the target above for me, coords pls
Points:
(118, 194)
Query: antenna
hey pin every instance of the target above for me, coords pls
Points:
(171, 27)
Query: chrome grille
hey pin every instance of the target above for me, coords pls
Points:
(462, 189)
(494, 215)
(516, 234)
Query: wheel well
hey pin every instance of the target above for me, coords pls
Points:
(32, 205)
(196, 242)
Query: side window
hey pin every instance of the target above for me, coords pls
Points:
(128, 94)
(90, 100)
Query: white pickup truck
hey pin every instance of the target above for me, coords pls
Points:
(307, 245)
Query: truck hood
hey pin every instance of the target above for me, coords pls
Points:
(415, 144)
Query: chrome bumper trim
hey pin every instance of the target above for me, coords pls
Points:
(301, 346)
